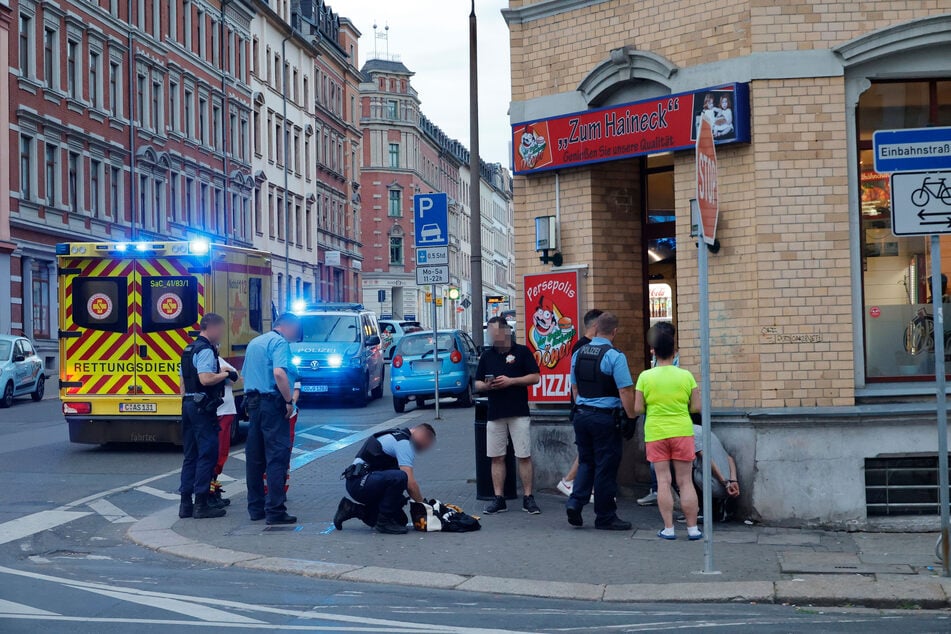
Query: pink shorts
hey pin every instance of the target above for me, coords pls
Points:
(679, 448)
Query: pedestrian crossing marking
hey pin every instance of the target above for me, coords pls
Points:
(9, 607)
(36, 523)
(165, 495)
(111, 512)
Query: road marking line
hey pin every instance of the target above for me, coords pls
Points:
(342, 430)
(9, 607)
(240, 456)
(36, 523)
(165, 495)
(185, 608)
(310, 456)
(323, 439)
(225, 478)
(315, 614)
(111, 512)
(407, 628)
(297, 450)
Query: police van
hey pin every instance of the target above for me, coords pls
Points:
(340, 352)
(126, 312)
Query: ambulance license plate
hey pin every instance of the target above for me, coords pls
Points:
(138, 407)
(315, 388)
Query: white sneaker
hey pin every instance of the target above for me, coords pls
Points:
(565, 487)
(648, 500)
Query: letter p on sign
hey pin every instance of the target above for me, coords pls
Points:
(707, 194)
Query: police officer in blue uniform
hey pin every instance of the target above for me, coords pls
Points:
(380, 475)
(269, 378)
(202, 388)
(604, 397)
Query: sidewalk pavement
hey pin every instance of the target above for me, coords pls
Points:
(516, 553)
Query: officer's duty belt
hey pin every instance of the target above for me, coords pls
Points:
(596, 410)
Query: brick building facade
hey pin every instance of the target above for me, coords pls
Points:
(811, 294)
(128, 121)
(306, 140)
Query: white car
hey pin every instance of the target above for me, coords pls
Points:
(21, 370)
(392, 330)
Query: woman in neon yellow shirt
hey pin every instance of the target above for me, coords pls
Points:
(668, 394)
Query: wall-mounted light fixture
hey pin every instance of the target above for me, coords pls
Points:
(546, 240)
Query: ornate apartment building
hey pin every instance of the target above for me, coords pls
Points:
(306, 155)
(128, 121)
(404, 154)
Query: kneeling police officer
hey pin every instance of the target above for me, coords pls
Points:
(379, 476)
(604, 399)
(202, 388)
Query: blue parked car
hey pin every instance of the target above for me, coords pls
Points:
(21, 371)
(412, 372)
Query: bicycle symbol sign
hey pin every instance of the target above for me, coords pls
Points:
(921, 203)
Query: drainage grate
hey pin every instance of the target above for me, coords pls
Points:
(905, 484)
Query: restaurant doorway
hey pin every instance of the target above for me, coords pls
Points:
(660, 240)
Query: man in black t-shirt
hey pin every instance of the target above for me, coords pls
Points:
(506, 370)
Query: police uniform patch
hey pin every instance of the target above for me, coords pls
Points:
(99, 306)
(510, 359)
(169, 305)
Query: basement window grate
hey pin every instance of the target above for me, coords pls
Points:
(905, 484)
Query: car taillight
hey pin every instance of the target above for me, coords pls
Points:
(77, 408)
(456, 356)
(397, 361)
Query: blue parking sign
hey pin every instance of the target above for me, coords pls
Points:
(431, 214)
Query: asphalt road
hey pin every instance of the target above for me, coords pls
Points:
(65, 564)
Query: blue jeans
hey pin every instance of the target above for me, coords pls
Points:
(599, 456)
(381, 492)
(200, 444)
(268, 451)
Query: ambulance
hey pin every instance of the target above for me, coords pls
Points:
(126, 312)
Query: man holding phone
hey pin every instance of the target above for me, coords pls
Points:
(506, 370)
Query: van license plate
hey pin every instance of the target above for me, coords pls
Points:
(138, 407)
(315, 388)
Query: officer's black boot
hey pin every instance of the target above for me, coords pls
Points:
(388, 526)
(204, 510)
(186, 508)
(215, 498)
(347, 510)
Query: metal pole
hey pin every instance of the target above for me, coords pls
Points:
(287, 193)
(134, 232)
(225, 128)
(941, 395)
(435, 349)
(704, 316)
(475, 186)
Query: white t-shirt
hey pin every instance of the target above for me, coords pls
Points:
(227, 408)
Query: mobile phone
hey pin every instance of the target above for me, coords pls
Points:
(489, 378)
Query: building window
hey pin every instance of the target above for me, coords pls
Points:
(72, 79)
(395, 207)
(189, 201)
(899, 339)
(173, 105)
(173, 20)
(115, 191)
(396, 250)
(155, 110)
(298, 225)
(297, 152)
(73, 182)
(258, 215)
(203, 203)
(203, 120)
(281, 218)
(243, 139)
(393, 109)
(255, 52)
(187, 30)
(50, 57)
(189, 114)
(219, 211)
(41, 300)
(140, 99)
(95, 72)
(216, 126)
(114, 90)
(52, 166)
(394, 154)
(307, 157)
(202, 37)
(26, 167)
(310, 227)
(173, 197)
(256, 124)
(26, 45)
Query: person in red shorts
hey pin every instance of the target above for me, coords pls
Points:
(668, 394)
(227, 416)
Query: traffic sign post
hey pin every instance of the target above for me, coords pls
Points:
(920, 162)
(431, 222)
(705, 211)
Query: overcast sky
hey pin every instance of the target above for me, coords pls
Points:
(432, 39)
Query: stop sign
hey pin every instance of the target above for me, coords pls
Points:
(707, 195)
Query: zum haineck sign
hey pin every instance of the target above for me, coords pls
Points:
(644, 127)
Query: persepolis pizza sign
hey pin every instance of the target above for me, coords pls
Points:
(635, 129)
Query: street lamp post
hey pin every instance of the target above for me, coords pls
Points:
(475, 184)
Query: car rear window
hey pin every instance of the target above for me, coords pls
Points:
(421, 344)
(410, 326)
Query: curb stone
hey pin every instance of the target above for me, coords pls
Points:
(155, 532)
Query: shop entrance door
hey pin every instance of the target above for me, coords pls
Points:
(660, 240)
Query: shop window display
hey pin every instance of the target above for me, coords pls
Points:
(899, 326)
